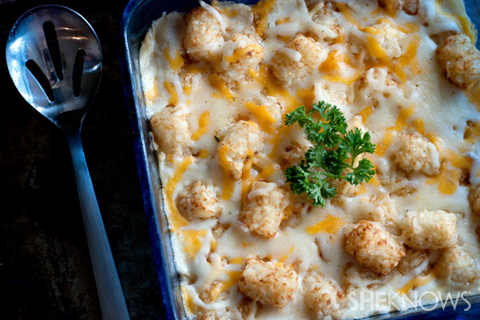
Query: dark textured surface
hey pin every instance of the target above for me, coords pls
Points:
(45, 270)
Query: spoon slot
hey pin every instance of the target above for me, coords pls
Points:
(53, 48)
(42, 80)
(78, 71)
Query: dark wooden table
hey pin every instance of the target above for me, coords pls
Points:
(45, 270)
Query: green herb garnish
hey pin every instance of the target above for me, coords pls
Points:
(332, 155)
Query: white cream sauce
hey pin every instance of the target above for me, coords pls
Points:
(442, 108)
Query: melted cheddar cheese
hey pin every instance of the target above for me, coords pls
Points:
(385, 83)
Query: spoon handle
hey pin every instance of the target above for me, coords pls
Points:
(110, 294)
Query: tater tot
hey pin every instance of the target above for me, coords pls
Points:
(438, 37)
(322, 297)
(460, 60)
(287, 68)
(326, 27)
(170, 130)
(262, 211)
(242, 138)
(308, 48)
(293, 154)
(416, 153)
(245, 57)
(474, 198)
(374, 247)
(268, 282)
(458, 267)
(198, 201)
(204, 35)
(430, 229)
(343, 188)
(388, 38)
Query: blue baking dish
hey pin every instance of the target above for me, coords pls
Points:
(137, 19)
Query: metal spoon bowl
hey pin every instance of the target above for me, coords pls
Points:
(55, 60)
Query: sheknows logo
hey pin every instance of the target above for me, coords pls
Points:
(387, 301)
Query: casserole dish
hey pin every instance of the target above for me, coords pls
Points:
(135, 23)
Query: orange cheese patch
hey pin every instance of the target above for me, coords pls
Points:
(239, 53)
(398, 65)
(173, 94)
(229, 183)
(330, 224)
(400, 123)
(203, 122)
(221, 286)
(261, 11)
(218, 83)
(365, 113)
(416, 282)
(177, 62)
(187, 299)
(266, 79)
(193, 241)
(264, 118)
(332, 66)
(174, 216)
(447, 179)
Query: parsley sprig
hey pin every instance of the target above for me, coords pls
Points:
(332, 155)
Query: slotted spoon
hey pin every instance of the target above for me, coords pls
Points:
(55, 60)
